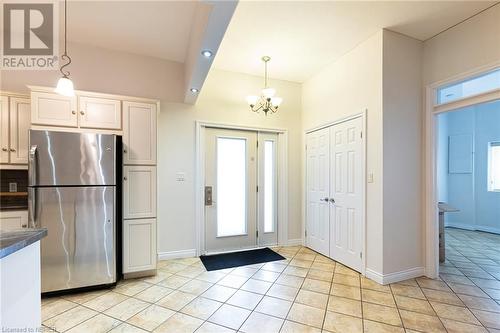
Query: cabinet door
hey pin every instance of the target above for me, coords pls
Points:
(13, 220)
(99, 113)
(139, 245)
(19, 128)
(139, 133)
(53, 109)
(139, 192)
(4, 129)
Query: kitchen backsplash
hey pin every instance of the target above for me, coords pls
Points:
(9, 200)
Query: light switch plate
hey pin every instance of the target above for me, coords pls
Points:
(180, 176)
(370, 177)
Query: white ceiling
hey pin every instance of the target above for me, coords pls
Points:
(154, 28)
(302, 37)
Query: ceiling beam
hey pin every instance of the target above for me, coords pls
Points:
(209, 26)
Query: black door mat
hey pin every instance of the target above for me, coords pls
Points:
(242, 258)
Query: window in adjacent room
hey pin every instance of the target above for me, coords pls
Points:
(494, 166)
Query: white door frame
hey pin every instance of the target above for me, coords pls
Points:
(432, 110)
(282, 159)
(363, 115)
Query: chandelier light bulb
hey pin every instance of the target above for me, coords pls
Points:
(252, 100)
(276, 101)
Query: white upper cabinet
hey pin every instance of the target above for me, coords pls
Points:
(139, 133)
(53, 109)
(4, 129)
(99, 113)
(139, 191)
(19, 130)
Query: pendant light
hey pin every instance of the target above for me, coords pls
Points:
(266, 102)
(65, 85)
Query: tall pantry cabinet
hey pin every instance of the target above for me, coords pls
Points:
(136, 120)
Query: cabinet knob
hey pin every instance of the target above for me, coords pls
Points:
(24, 226)
(82, 113)
(5, 149)
(124, 151)
(73, 112)
(124, 178)
(12, 150)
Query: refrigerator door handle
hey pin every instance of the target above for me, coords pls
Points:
(32, 167)
(32, 205)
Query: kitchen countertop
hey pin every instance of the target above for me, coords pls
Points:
(13, 241)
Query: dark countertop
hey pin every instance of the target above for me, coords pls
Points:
(13, 241)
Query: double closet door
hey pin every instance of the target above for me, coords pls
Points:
(334, 211)
(240, 189)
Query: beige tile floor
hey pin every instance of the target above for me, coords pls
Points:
(305, 293)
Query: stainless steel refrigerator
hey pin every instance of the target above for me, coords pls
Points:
(72, 192)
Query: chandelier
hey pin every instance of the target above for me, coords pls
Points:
(266, 102)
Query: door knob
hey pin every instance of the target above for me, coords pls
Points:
(332, 200)
(324, 199)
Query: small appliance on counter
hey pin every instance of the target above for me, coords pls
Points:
(73, 192)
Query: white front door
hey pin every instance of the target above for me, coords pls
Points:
(231, 177)
(346, 186)
(318, 190)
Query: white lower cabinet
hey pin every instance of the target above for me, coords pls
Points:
(139, 245)
(13, 220)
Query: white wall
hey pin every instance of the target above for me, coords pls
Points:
(346, 87)
(107, 71)
(402, 153)
(471, 44)
(222, 100)
(382, 75)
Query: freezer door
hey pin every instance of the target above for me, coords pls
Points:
(63, 158)
(79, 250)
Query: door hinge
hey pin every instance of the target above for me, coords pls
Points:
(257, 188)
(305, 233)
(361, 255)
(257, 144)
(361, 134)
(257, 233)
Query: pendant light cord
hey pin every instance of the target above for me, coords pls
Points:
(65, 56)
(265, 74)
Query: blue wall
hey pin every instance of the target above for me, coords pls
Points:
(468, 191)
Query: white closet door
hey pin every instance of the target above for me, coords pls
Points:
(318, 190)
(346, 186)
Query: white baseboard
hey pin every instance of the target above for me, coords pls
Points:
(396, 276)
(177, 254)
(473, 227)
(294, 242)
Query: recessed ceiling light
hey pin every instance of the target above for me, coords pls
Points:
(206, 53)
(194, 90)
